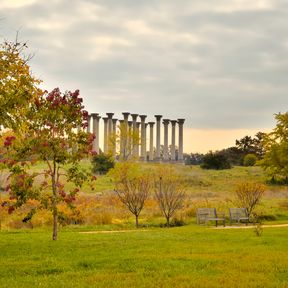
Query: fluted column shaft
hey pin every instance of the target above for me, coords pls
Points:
(110, 130)
(146, 125)
(129, 139)
(121, 125)
(113, 138)
(124, 136)
(143, 137)
(135, 140)
(180, 148)
(165, 151)
(89, 124)
(151, 152)
(158, 135)
(173, 154)
(95, 145)
(105, 150)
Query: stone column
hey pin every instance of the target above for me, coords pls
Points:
(166, 152)
(129, 139)
(173, 155)
(143, 138)
(114, 121)
(146, 124)
(95, 145)
(124, 135)
(126, 116)
(114, 136)
(110, 130)
(121, 123)
(180, 148)
(151, 152)
(89, 123)
(135, 140)
(158, 136)
(105, 148)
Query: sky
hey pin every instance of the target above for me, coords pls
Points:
(220, 64)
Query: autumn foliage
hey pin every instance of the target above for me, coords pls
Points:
(55, 135)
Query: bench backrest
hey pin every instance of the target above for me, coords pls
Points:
(236, 213)
(203, 213)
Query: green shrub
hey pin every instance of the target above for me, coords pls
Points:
(102, 163)
(249, 160)
(216, 161)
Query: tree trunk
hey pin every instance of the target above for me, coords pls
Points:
(55, 223)
(54, 206)
(137, 221)
(168, 221)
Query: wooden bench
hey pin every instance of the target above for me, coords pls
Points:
(204, 215)
(238, 215)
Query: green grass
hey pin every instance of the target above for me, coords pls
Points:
(187, 256)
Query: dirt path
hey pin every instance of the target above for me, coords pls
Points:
(219, 227)
(253, 226)
(110, 232)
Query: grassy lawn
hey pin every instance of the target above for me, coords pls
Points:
(188, 256)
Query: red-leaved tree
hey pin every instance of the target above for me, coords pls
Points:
(54, 135)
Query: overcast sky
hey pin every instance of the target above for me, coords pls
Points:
(220, 64)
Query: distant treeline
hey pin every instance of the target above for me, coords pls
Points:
(246, 151)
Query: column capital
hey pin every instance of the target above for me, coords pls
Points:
(181, 121)
(173, 122)
(134, 116)
(105, 119)
(114, 120)
(126, 115)
(166, 121)
(121, 121)
(158, 117)
(142, 117)
(130, 123)
(151, 123)
(110, 115)
(94, 115)
(138, 124)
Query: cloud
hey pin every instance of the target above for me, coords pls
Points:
(219, 64)
(14, 4)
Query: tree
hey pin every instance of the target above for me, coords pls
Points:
(132, 186)
(169, 192)
(249, 195)
(215, 160)
(193, 158)
(18, 87)
(249, 145)
(245, 144)
(102, 163)
(55, 135)
(234, 155)
(275, 161)
(249, 160)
